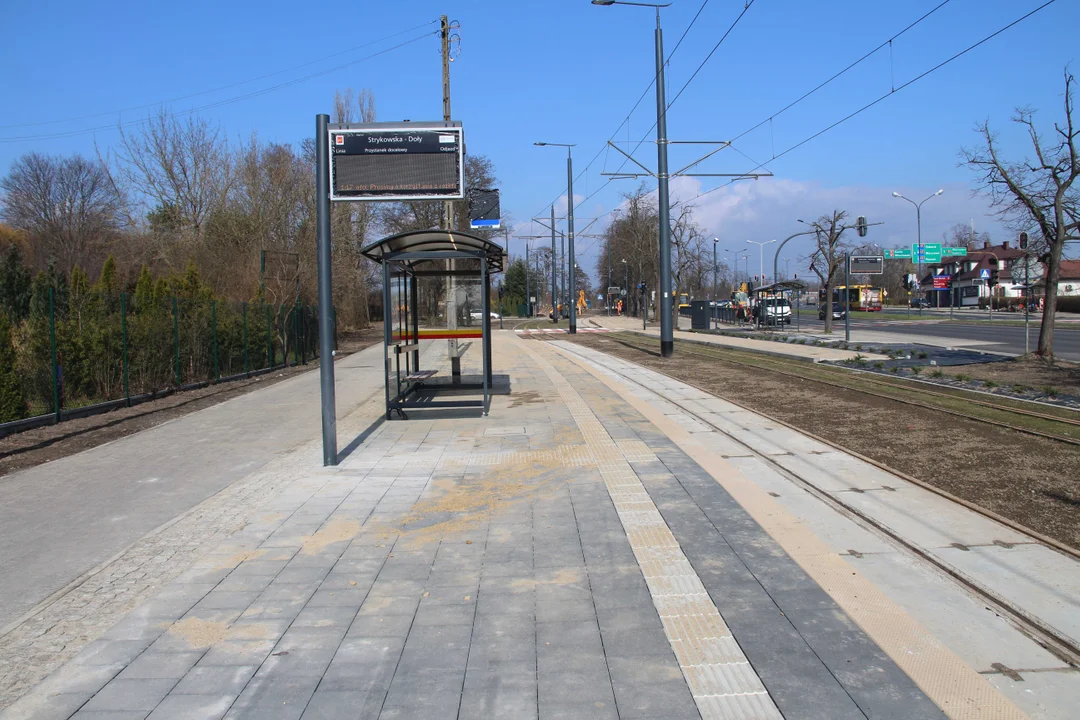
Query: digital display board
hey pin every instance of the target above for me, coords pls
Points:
(867, 265)
(397, 161)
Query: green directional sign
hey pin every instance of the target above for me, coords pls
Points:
(931, 253)
(954, 251)
(898, 254)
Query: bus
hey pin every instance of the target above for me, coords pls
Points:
(866, 298)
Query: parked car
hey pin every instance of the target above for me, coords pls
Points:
(919, 302)
(479, 315)
(837, 312)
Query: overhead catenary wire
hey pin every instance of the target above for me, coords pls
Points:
(626, 120)
(219, 103)
(862, 109)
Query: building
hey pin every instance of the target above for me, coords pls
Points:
(967, 277)
(1068, 280)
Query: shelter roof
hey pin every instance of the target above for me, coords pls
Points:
(781, 286)
(432, 242)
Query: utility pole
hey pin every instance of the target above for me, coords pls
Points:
(607, 293)
(448, 206)
(528, 294)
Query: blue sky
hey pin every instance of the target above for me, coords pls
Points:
(568, 71)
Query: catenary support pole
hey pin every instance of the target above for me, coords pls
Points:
(124, 340)
(571, 267)
(667, 336)
(554, 272)
(56, 376)
(326, 331)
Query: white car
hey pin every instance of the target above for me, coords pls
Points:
(479, 315)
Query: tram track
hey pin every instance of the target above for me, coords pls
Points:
(1058, 643)
(813, 373)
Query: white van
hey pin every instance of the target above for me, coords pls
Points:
(777, 311)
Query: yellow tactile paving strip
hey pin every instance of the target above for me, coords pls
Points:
(957, 689)
(719, 676)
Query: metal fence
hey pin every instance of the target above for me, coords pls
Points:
(72, 361)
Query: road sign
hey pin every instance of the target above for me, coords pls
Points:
(866, 265)
(941, 282)
(898, 254)
(484, 209)
(984, 274)
(954, 251)
(929, 253)
(397, 161)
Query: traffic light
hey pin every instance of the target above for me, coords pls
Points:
(860, 226)
(994, 275)
(1023, 241)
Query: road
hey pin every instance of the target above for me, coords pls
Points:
(1006, 338)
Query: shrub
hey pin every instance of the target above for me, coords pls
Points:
(894, 369)
(1050, 391)
(937, 373)
(12, 400)
(921, 355)
(916, 370)
(989, 384)
(879, 365)
(962, 377)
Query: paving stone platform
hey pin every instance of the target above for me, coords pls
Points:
(560, 558)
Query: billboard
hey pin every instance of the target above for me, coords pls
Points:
(397, 161)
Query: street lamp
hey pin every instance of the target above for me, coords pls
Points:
(761, 251)
(667, 336)
(569, 223)
(918, 222)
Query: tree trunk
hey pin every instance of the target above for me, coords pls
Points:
(1053, 272)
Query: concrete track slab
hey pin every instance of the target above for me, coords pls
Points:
(985, 640)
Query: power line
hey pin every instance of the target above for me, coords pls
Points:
(892, 92)
(865, 107)
(219, 103)
(627, 118)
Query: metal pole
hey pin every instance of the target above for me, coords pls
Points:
(1027, 302)
(262, 274)
(124, 338)
(176, 339)
(570, 240)
(247, 358)
(667, 336)
(213, 329)
(918, 226)
(713, 299)
(554, 272)
(269, 337)
(326, 330)
(52, 351)
(528, 292)
(847, 299)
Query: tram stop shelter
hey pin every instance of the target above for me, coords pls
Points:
(784, 289)
(436, 286)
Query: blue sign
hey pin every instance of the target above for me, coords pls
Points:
(985, 274)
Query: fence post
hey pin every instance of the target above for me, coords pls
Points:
(269, 337)
(247, 362)
(284, 336)
(213, 327)
(176, 341)
(124, 338)
(301, 336)
(56, 378)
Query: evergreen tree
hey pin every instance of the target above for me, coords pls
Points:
(14, 285)
(12, 400)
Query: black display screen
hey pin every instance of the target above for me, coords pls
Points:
(414, 164)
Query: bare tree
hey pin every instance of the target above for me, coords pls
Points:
(1037, 193)
(178, 169)
(632, 235)
(827, 259)
(66, 206)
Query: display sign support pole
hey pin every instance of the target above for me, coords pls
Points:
(326, 323)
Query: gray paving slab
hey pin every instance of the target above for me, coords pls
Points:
(59, 520)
